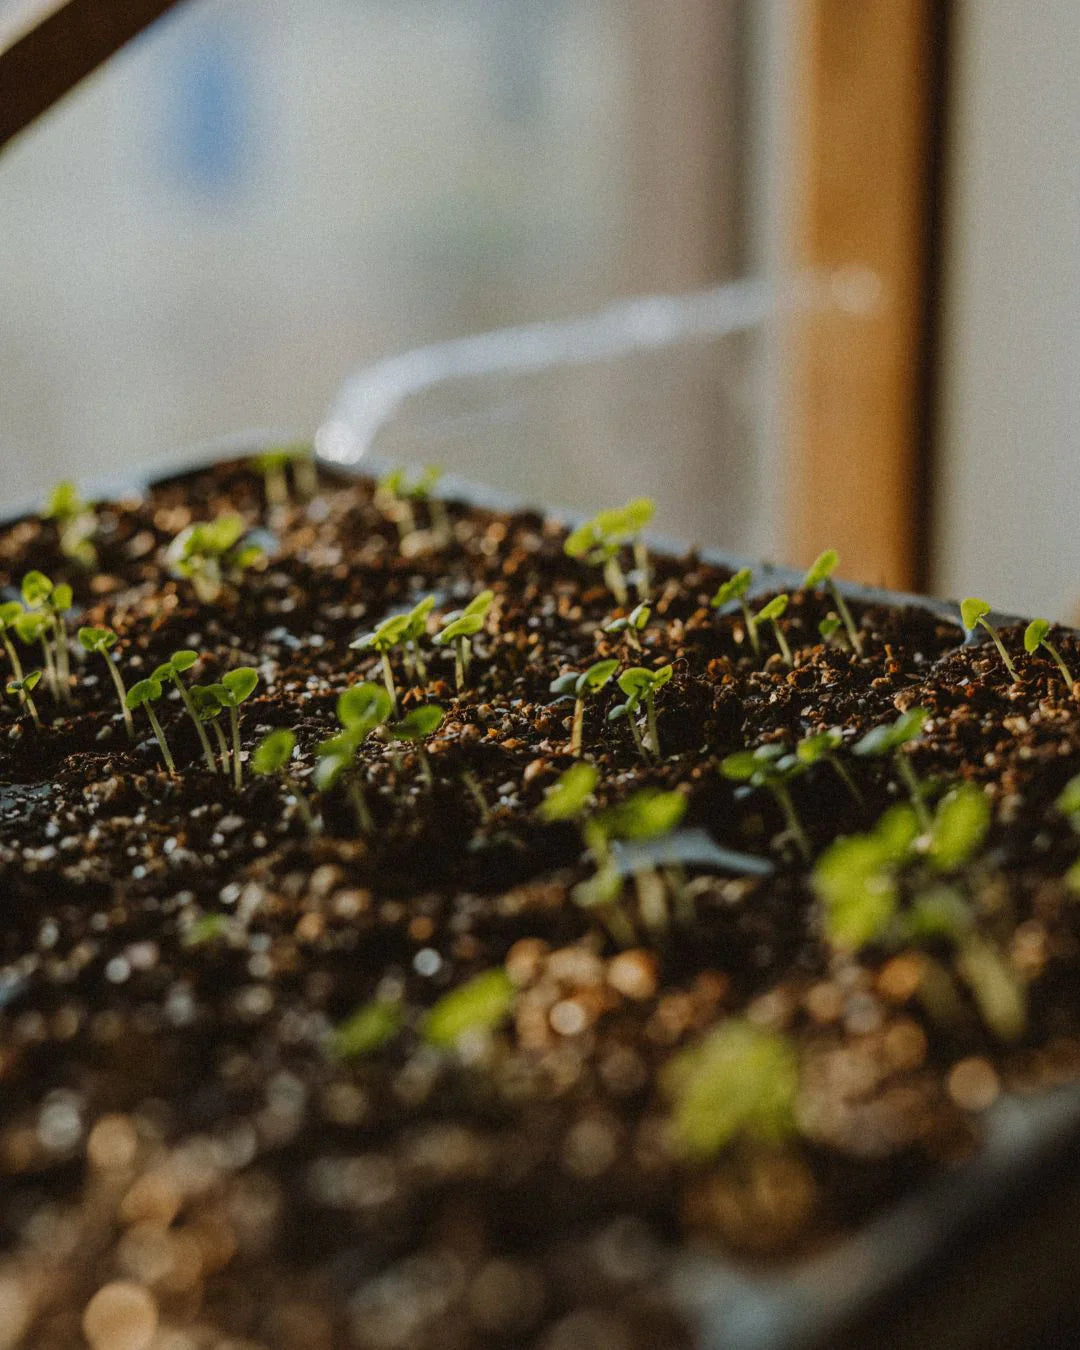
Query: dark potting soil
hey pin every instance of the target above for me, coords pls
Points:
(186, 1147)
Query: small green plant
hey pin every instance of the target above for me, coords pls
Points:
(1036, 635)
(579, 687)
(274, 465)
(740, 1081)
(236, 687)
(43, 621)
(9, 616)
(208, 709)
(372, 1026)
(632, 624)
(476, 1008)
(399, 630)
(570, 794)
(415, 727)
(360, 709)
(459, 627)
(973, 614)
(210, 552)
(145, 694)
(892, 739)
(772, 612)
(22, 687)
(736, 588)
(640, 686)
(397, 491)
(771, 767)
(821, 571)
(271, 758)
(825, 745)
(101, 641)
(76, 523)
(600, 541)
(172, 669)
(829, 626)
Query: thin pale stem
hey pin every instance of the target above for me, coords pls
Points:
(845, 616)
(425, 765)
(277, 486)
(638, 742)
(652, 898)
(914, 789)
(63, 659)
(751, 628)
(1066, 674)
(459, 664)
(234, 727)
(791, 819)
(28, 700)
(13, 657)
(782, 643)
(476, 793)
(577, 726)
(189, 707)
(50, 668)
(166, 753)
(615, 581)
(388, 679)
(650, 717)
(844, 774)
(358, 802)
(302, 804)
(121, 693)
(223, 746)
(643, 581)
(1001, 650)
(440, 519)
(305, 476)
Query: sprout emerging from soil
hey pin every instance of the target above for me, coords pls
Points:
(372, 1026)
(600, 541)
(891, 739)
(208, 708)
(973, 614)
(9, 616)
(416, 726)
(274, 465)
(459, 627)
(740, 1081)
(640, 685)
(209, 551)
(822, 571)
(579, 687)
(771, 612)
(43, 622)
(823, 745)
(829, 627)
(102, 640)
(771, 767)
(400, 630)
(76, 523)
(736, 588)
(272, 757)
(1036, 635)
(235, 688)
(473, 1010)
(856, 879)
(396, 492)
(172, 670)
(631, 624)
(360, 710)
(570, 794)
(22, 687)
(144, 695)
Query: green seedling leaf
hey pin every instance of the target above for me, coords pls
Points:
(971, 611)
(62, 598)
(735, 588)
(205, 700)
(813, 749)
(829, 625)
(145, 691)
(570, 794)
(772, 610)
(363, 707)
(206, 929)
(36, 589)
(31, 625)
(333, 757)
(236, 686)
(648, 814)
(479, 1006)
(591, 681)
(857, 889)
(464, 627)
(639, 682)
(63, 502)
(26, 685)
(417, 724)
(480, 604)
(940, 912)
(821, 569)
(1035, 634)
(183, 659)
(960, 824)
(367, 1030)
(885, 739)
(741, 1081)
(273, 752)
(97, 639)
(996, 986)
(9, 612)
(1068, 799)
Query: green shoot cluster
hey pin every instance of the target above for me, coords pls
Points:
(211, 552)
(600, 541)
(821, 571)
(973, 614)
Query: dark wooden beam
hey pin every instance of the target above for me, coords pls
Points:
(61, 45)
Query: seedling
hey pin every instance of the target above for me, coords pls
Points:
(1036, 635)
(22, 687)
(396, 631)
(829, 626)
(856, 879)
(459, 628)
(648, 814)
(640, 685)
(75, 523)
(740, 1081)
(891, 739)
(102, 640)
(360, 710)
(144, 695)
(272, 757)
(209, 551)
(472, 1010)
(367, 1030)
(171, 670)
(235, 688)
(823, 745)
(396, 492)
(570, 794)
(416, 726)
(599, 542)
(46, 604)
(579, 687)
(736, 588)
(771, 767)
(631, 624)
(9, 615)
(973, 613)
(274, 466)
(771, 612)
(822, 571)
(961, 821)
(208, 708)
